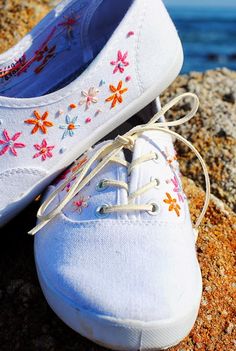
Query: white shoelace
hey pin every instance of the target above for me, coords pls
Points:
(109, 153)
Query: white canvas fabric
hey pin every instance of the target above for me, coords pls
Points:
(126, 280)
(88, 67)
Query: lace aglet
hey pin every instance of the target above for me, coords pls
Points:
(195, 232)
(37, 228)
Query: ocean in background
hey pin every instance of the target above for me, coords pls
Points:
(208, 36)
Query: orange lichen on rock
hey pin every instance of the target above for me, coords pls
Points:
(18, 17)
(215, 326)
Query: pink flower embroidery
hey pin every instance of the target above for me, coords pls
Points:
(9, 143)
(90, 97)
(81, 204)
(44, 150)
(177, 189)
(121, 62)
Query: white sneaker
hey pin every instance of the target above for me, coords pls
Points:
(116, 253)
(138, 54)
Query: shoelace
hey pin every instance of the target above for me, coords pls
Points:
(109, 153)
(151, 208)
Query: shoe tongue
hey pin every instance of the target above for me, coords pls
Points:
(84, 205)
(165, 168)
(151, 141)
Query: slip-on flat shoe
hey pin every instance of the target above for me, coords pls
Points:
(123, 53)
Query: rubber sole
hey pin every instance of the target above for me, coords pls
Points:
(116, 334)
(130, 110)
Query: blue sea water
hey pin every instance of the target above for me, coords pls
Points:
(208, 36)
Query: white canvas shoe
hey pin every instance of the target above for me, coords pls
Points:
(125, 53)
(115, 248)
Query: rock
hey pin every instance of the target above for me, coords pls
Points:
(18, 17)
(212, 131)
(230, 97)
(26, 321)
(214, 329)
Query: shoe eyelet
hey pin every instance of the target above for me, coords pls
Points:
(100, 211)
(157, 186)
(100, 186)
(155, 209)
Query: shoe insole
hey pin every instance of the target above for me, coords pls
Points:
(64, 50)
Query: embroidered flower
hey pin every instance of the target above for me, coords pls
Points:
(70, 126)
(130, 34)
(117, 96)
(62, 176)
(40, 122)
(79, 163)
(81, 203)
(170, 159)
(68, 185)
(44, 150)
(121, 62)
(39, 54)
(173, 205)
(90, 97)
(69, 23)
(98, 112)
(88, 120)
(102, 82)
(59, 113)
(45, 56)
(9, 144)
(178, 189)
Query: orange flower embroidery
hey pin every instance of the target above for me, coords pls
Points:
(40, 122)
(79, 163)
(173, 205)
(117, 96)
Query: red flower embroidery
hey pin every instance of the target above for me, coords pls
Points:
(9, 143)
(69, 23)
(44, 150)
(121, 62)
(46, 55)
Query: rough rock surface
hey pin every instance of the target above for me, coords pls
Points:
(26, 321)
(212, 131)
(18, 17)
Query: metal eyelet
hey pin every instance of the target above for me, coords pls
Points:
(157, 182)
(100, 186)
(155, 209)
(100, 211)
